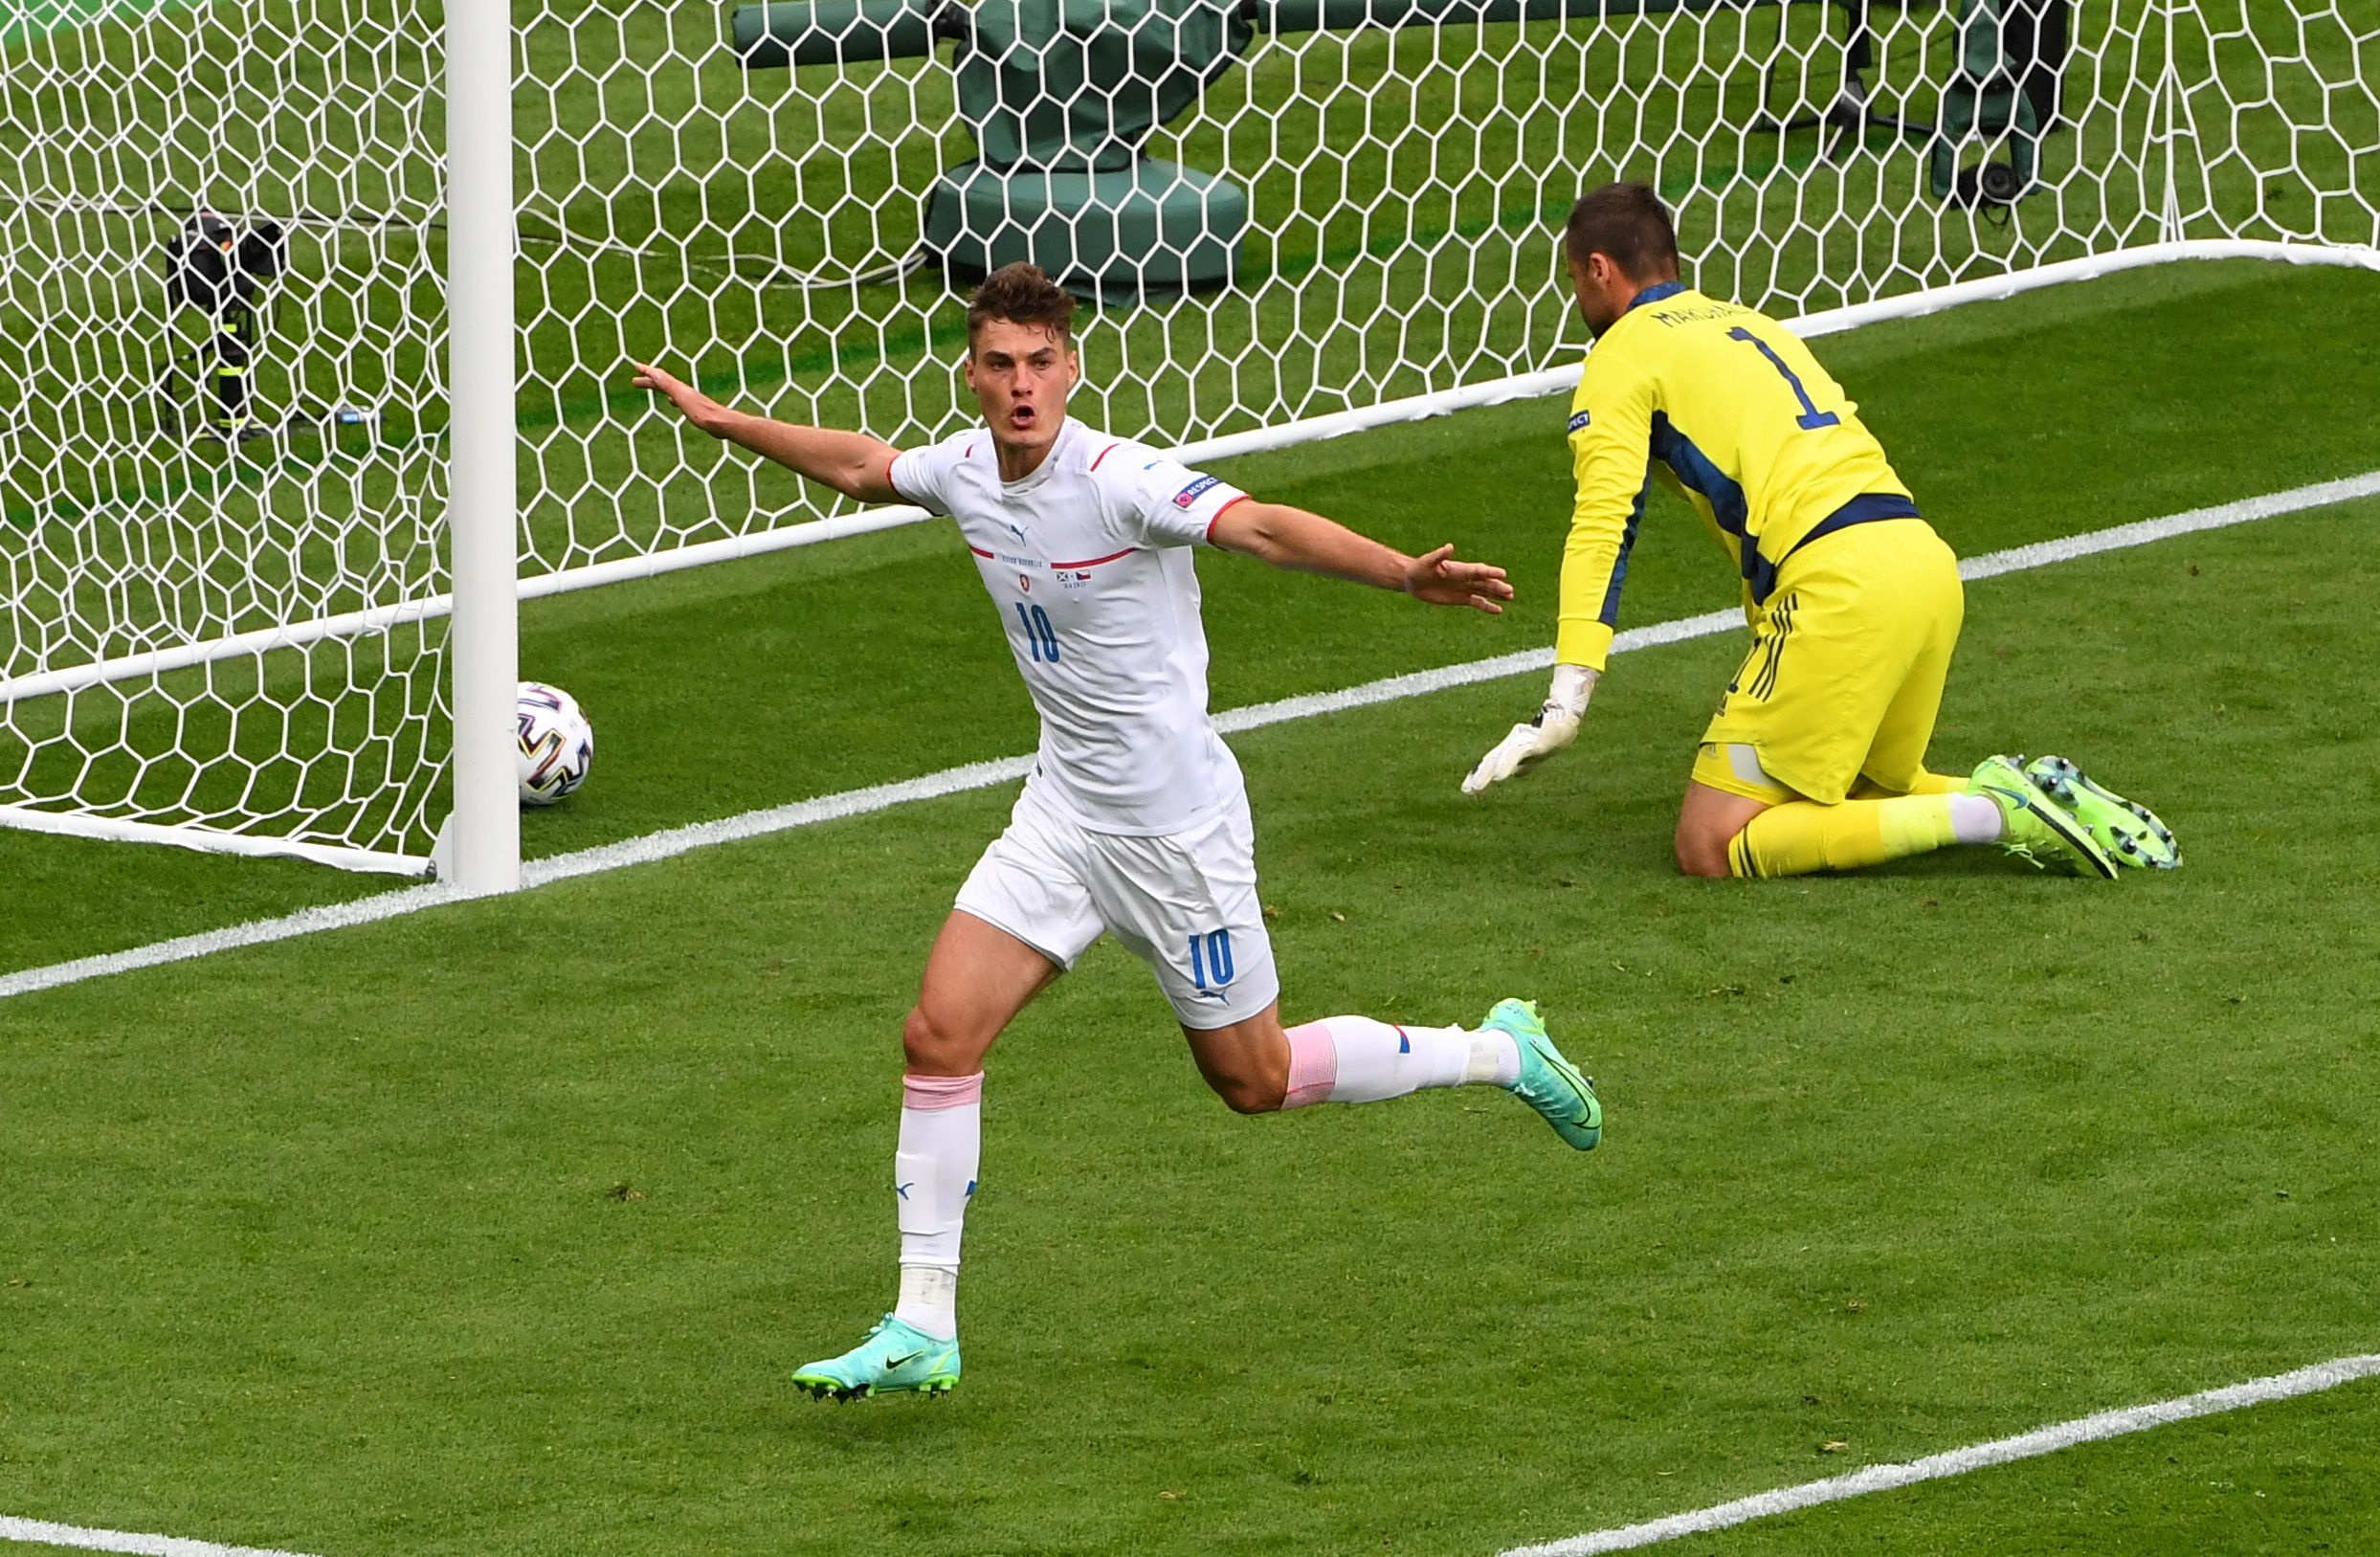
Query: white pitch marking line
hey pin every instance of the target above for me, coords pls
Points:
(123, 1541)
(753, 824)
(2047, 1440)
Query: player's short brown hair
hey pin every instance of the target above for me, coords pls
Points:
(1021, 294)
(1627, 225)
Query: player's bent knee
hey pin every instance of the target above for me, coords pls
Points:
(1248, 1094)
(1704, 855)
(932, 1047)
(1245, 1064)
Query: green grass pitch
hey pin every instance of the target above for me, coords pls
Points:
(496, 1229)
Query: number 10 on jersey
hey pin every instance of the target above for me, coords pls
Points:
(1039, 635)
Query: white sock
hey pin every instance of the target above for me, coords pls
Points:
(934, 1170)
(1975, 819)
(1357, 1060)
(929, 1300)
(1495, 1058)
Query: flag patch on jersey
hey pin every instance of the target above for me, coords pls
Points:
(1579, 423)
(1189, 494)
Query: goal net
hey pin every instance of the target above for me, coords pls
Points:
(224, 280)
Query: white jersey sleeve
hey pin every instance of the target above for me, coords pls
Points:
(918, 475)
(1152, 500)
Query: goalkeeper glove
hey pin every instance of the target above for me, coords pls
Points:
(1555, 726)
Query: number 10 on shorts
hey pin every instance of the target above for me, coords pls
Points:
(1211, 959)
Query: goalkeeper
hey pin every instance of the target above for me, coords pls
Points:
(1816, 757)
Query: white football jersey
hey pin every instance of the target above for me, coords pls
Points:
(1088, 561)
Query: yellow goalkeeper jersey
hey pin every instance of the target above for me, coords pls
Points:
(1729, 406)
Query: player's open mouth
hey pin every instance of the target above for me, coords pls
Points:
(1020, 416)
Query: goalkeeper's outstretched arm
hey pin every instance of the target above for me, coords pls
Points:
(1610, 433)
(852, 463)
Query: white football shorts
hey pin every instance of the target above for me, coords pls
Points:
(1184, 902)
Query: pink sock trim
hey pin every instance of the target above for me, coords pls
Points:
(927, 1093)
(1313, 1064)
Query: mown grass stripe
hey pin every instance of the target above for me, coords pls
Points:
(673, 841)
(2046, 1441)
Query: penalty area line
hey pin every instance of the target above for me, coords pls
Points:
(2046, 1441)
(678, 840)
(41, 1532)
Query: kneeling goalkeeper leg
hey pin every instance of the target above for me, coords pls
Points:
(2000, 804)
(1801, 836)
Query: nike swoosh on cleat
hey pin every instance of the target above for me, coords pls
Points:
(2079, 839)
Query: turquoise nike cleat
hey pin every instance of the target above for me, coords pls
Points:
(2129, 832)
(1547, 1082)
(894, 1357)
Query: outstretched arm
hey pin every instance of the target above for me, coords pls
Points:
(1610, 433)
(852, 463)
(1292, 537)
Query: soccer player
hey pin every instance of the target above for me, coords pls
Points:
(1816, 757)
(1135, 818)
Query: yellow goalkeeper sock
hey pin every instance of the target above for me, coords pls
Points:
(1867, 789)
(1801, 835)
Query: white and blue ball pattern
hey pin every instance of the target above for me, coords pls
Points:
(557, 744)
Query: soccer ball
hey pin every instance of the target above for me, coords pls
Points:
(557, 744)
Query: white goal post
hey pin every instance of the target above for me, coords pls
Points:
(315, 315)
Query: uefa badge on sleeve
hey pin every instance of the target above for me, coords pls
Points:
(1188, 495)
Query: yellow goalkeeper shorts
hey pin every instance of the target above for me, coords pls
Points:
(1845, 675)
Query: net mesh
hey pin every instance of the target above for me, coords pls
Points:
(185, 577)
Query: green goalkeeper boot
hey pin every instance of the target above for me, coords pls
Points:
(2037, 828)
(2128, 832)
(894, 1358)
(1547, 1082)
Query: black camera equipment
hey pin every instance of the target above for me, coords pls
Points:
(1852, 113)
(2003, 92)
(2004, 87)
(222, 273)
(1987, 184)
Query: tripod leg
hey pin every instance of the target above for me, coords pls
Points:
(1859, 43)
(166, 399)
